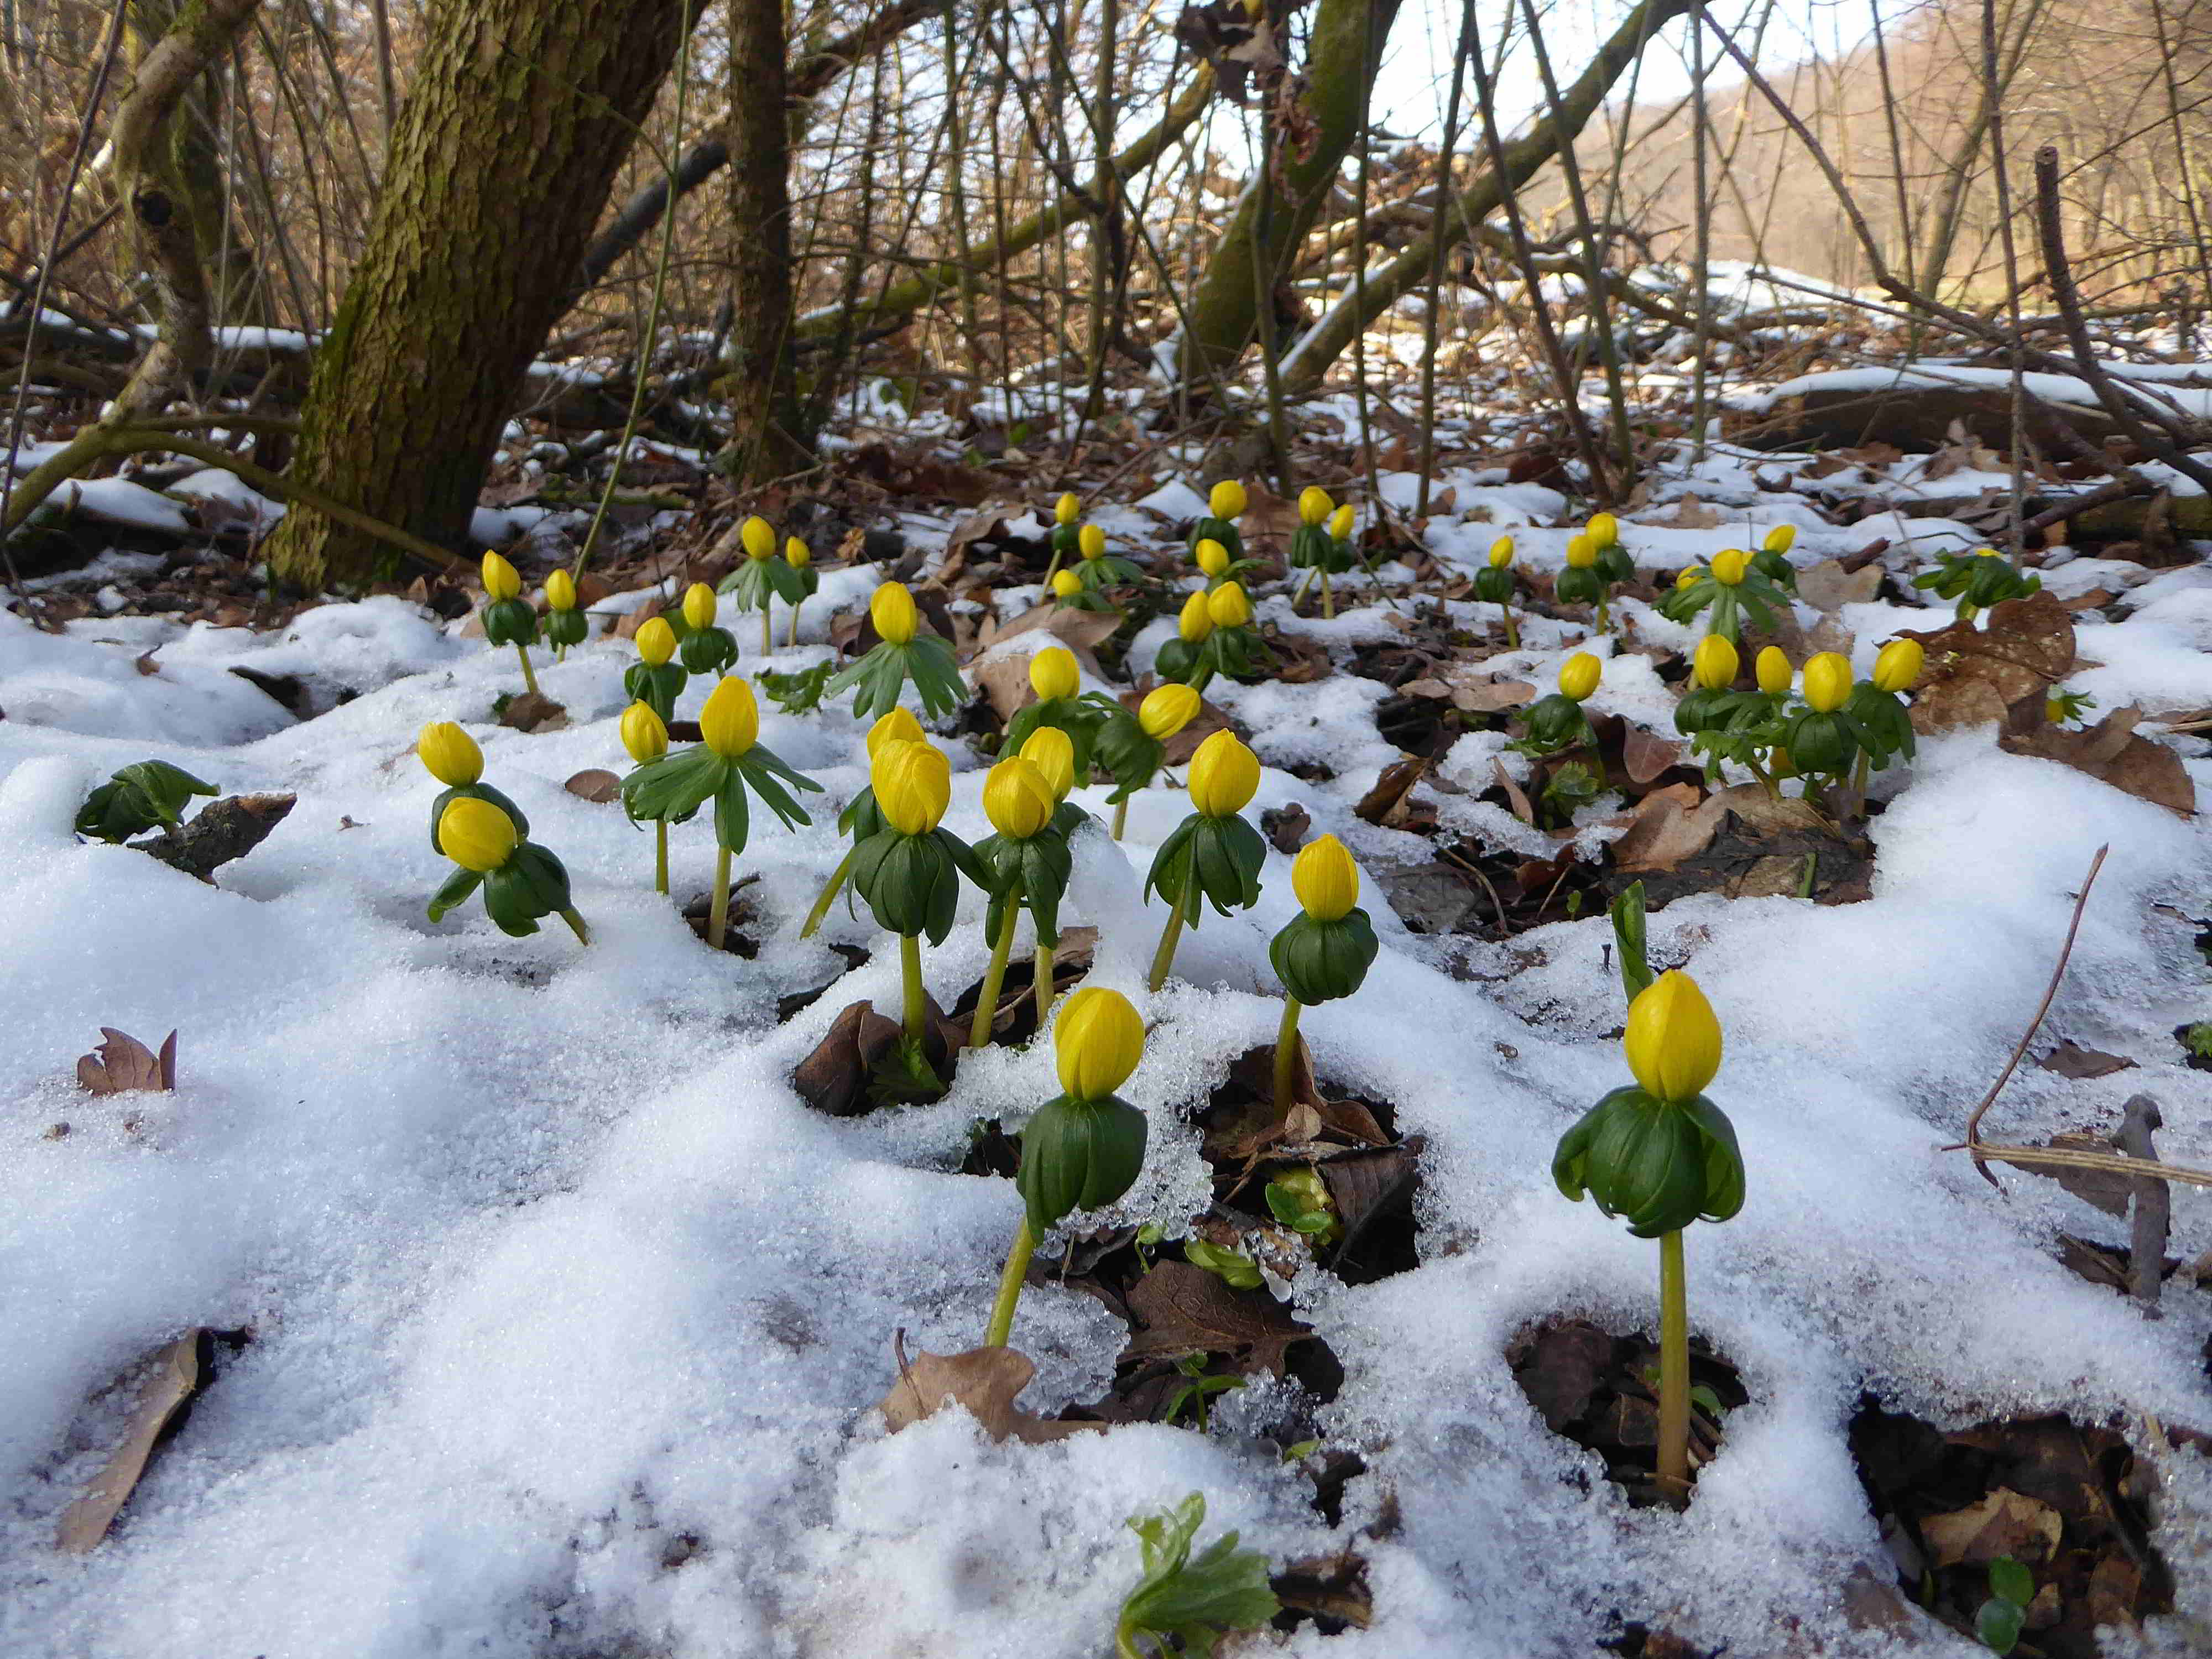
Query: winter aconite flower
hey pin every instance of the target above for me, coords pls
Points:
(1821, 740)
(1017, 800)
(1026, 864)
(1773, 670)
(522, 882)
(1067, 538)
(1228, 606)
(1558, 722)
(860, 819)
(653, 678)
(1827, 681)
(1494, 583)
(1673, 1040)
(1897, 666)
(905, 652)
(1097, 1042)
(1225, 775)
(564, 623)
(730, 722)
(1323, 953)
(1714, 663)
(449, 753)
(1132, 746)
(1728, 567)
(891, 608)
(1976, 581)
(1224, 505)
(1226, 499)
(1052, 753)
(1733, 585)
(1876, 712)
(508, 618)
(1213, 854)
(1057, 680)
(1315, 550)
(1067, 508)
(706, 648)
(1212, 559)
(1097, 570)
(913, 783)
(1182, 658)
(1066, 585)
(477, 835)
(1166, 709)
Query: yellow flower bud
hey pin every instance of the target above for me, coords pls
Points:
(1098, 1039)
(757, 537)
(1325, 879)
(1729, 565)
(1713, 664)
(1339, 523)
(892, 611)
(1196, 621)
(1313, 504)
(730, 722)
(1213, 558)
(1781, 539)
(1226, 499)
(1065, 508)
(1501, 553)
(561, 591)
(913, 783)
(1052, 752)
(1987, 553)
(1604, 529)
(1017, 799)
(1224, 775)
(1688, 573)
(1228, 606)
(1582, 551)
(449, 753)
(501, 580)
(1673, 1040)
(643, 733)
(1166, 710)
(796, 553)
(1054, 673)
(1579, 674)
(897, 726)
(1090, 542)
(1066, 583)
(656, 642)
(476, 835)
(699, 605)
(1827, 681)
(1898, 665)
(1774, 670)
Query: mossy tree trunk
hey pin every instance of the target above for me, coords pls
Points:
(768, 436)
(520, 112)
(1259, 245)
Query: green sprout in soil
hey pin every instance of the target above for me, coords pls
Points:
(1185, 1605)
(152, 794)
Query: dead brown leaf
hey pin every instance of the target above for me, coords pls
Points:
(983, 1381)
(1668, 825)
(2025, 647)
(595, 784)
(1827, 586)
(1187, 1310)
(122, 1064)
(1691, 513)
(2072, 1060)
(1081, 631)
(986, 522)
(629, 622)
(1645, 754)
(834, 1078)
(534, 712)
(1516, 796)
(2002, 1523)
(2113, 752)
(1477, 693)
(1388, 802)
(178, 1369)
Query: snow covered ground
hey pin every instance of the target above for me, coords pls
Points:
(566, 1313)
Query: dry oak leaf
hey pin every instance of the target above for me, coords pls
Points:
(2112, 752)
(123, 1064)
(1388, 803)
(1666, 826)
(1081, 631)
(179, 1368)
(1187, 1310)
(534, 712)
(2002, 1523)
(2026, 647)
(983, 1381)
(596, 784)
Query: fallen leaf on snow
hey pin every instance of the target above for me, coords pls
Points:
(595, 785)
(123, 1064)
(178, 1369)
(2112, 752)
(1387, 804)
(534, 712)
(984, 1380)
(1187, 1310)
(2071, 1060)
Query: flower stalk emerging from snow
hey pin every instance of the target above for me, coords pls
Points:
(860, 819)
(1131, 746)
(1322, 953)
(653, 678)
(762, 578)
(564, 623)
(645, 735)
(1317, 549)
(1494, 584)
(1213, 854)
(1556, 721)
(1028, 865)
(905, 654)
(507, 617)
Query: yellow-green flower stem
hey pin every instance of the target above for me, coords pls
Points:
(1859, 780)
(793, 639)
(1512, 630)
(660, 856)
(1304, 587)
(1163, 958)
(719, 906)
(916, 1011)
(1044, 969)
(1009, 1286)
(1967, 611)
(1601, 614)
(560, 653)
(1050, 571)
(529, 674)
(1121, 817)
(1674, 1369)
(979, 1034)
(829, 890)
(1327, 599)
(1205, 673)
(768, 638)
(576, 927)
(1286, 1054)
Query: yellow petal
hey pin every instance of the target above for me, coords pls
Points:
(1325, 879)
(1501, 553)
(1213, 558)
(449, 753)
(1672, 1042)
(1729, 566)
(1341, 522)
(561, 591)
(1579, 674)
(476, 835)
(730, 722)
(1827, 681)
(1054, 673)
(892, 611)
(1066, 583)
(1017, 799)
(796, 553)
(1090, 542)
(501, 580)
(1774, 670)
(913, 783)
(1052, 752)
(1196, 621)
(1781, 539)
(1166, 710)
(656, 640)
(1226, 499)
(1097, 1039)
(1604, 529)
(757, 537)
(643, 733)
(1582, 551)
(1714, 663)
(1225, 775)
(1066, 510)
(699, 605)
(1228, 605)
(897, 726)
(1313, 505)
(1898, 665)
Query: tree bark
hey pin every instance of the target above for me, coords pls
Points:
(503, 156)
(1258, 245)
(766, 437)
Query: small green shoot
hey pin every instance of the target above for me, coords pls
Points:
(145, 795)
(1186, 1601)
(1238, 1272)
(1299, 1200)
(1627, 913)
(2012, 1586)
(2197, 1039)
(1197, 1392)
(799, 693)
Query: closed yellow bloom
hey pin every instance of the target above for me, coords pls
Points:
(758, 538)
(1066, 583)
(1213, 558)
(1052, 752)
(1339, 523)
(1090, 542)
(1688, 573)
(699, 605)
(897, 726)
(1898, 665)
(1729, 565)
(1225, 775)
(1987, 553)
(913, 783)
(1501, 553)
(476, 835)
(796, 553)
(1226, 501)
(1166, 710)
(1713, 664)
(1604, 529)
(656, 642)
(561, 591)
(1196, 621)
(1773, 670)
(643, 733)
(501, 580)
(1065, 510)
(1582, 551)
(1781, 539)
(892, 611)
(1228, 605)
(1054, 673)
(730, 722)
(1017, 799)
(1325, 879)
(1313, 504)
(1579, 674)
(449, 753)
(1827, 681)
(1098, 1039)
(1673, 1040)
